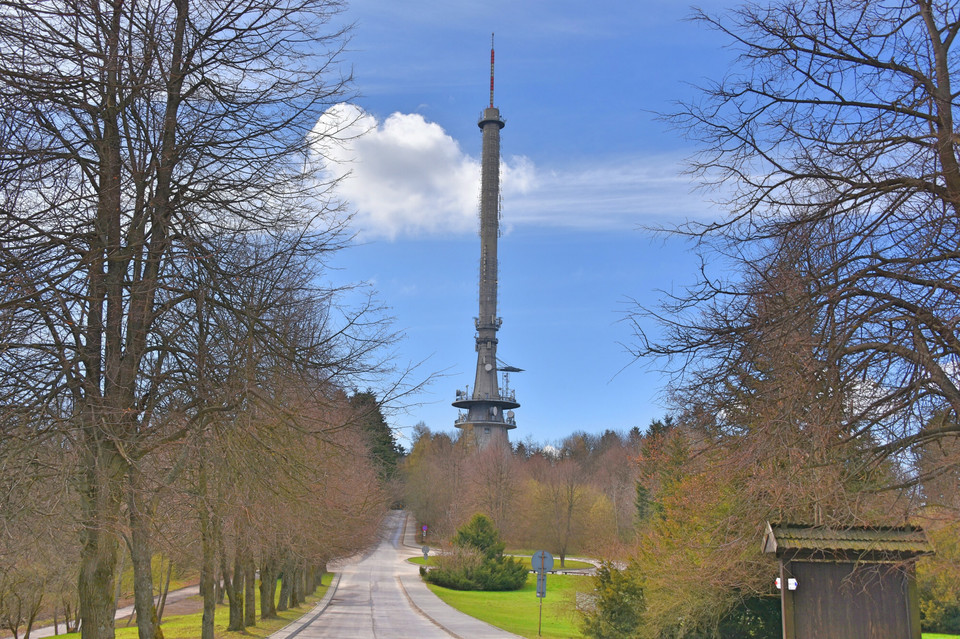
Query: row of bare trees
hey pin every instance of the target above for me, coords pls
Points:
(174, 369)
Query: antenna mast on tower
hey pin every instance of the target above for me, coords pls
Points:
(491, 69)
(489, 408)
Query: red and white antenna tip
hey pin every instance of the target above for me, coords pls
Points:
(491, 70)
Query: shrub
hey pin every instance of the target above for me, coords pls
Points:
(503, 573)
(619, 605)
(938, 582)
(481, 535)
(477, 561)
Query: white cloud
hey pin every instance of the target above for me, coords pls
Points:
(406, 176)
(611, 193)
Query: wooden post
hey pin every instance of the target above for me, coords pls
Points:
(540, 621)
(786, 602)
(913, 603)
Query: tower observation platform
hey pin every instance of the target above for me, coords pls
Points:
(489, 408)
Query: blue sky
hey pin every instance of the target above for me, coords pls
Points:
(586, 164)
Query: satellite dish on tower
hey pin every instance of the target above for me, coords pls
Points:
(506, 368)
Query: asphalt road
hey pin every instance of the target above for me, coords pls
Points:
(381, 596)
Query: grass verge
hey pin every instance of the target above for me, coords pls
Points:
(571, 564)
(517, 611)
(432, 561)
(188, 626)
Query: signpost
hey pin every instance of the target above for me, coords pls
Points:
(424, 533)
(542, 563)
(426, 551)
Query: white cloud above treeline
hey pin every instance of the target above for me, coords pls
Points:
(407, 177)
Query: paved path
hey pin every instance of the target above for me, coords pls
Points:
(381, 596)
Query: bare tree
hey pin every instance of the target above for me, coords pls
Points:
(834, 147)
(434, 478)
(268, 397)
(562, 503)
(493, 487)
(136, 135)
(616, 477)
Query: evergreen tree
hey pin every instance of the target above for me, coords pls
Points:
(384, 449)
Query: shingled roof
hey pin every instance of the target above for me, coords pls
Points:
(896, 542)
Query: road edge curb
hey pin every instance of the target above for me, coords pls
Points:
(312, 614)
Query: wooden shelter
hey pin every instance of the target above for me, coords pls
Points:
(851, 583)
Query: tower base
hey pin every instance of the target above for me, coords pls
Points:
(486, 434)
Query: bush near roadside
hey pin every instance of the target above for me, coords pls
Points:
(477, 561)
(938, 582)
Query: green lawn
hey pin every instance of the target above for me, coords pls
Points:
(432, 561)
(571, 564)
(159, 568)
(517, 611)
(188, 626)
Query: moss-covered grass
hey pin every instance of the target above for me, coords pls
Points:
(188, 626)
(937, 635)
(517, 611)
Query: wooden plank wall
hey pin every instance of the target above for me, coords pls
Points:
(846, 601)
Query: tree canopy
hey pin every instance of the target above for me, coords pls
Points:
(832, 146)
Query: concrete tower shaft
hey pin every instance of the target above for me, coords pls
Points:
(489, 409)
(487, 321)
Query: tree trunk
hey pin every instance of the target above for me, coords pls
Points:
(321, 568)
(163, 595)
(70, 614)
(310, 579)
(286, 585)
(311, 576)
(34, 611)
(207, 592)
(141, 558)
(120, 569)
(296, 592)
(100, 502)
(220, 584)
(238, 588)
(268, 588)
(207, 563)
(234, 589)
(97, 565)
(249, 591)
(295, 588)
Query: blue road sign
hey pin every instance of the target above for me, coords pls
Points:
(542, 561)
